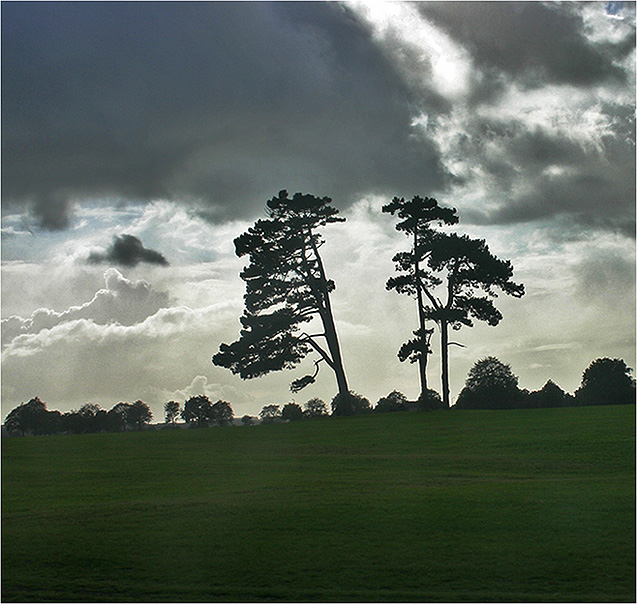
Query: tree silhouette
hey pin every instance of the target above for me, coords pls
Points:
(350, 403)
(606, 382)
(91, 418)
(139, 414)
(270, 413)
(292, 411)
(286, 286)
(221, 413)
(171, 411)
(27, 418)
(416, 217)
(197, 410)
(490, 384)
(394, 401)
(471, 277)
(315, 407)
(551, 395)
(117, 417)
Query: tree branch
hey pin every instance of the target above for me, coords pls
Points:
(318, 348)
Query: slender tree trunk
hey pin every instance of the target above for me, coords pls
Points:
(422, 358)
(334, 347)
(444, 356)
(329, 326)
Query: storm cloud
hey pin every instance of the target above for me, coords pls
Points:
(216, 103)
(517, 111)
(127, 250)
(532, 41)
(538, 119)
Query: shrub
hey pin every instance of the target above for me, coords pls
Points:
(350, 404)
(430, 401)
(394, 401)
(315, 407)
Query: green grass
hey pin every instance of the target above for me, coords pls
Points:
(534, 505)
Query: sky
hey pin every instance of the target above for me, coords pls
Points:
(139, 139)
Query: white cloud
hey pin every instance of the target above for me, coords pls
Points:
(426, 56)
(122, 301)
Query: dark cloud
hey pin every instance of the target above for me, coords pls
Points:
(534, 42)
(223, 103)
(540, 174)
(220, 105)
(127, 250)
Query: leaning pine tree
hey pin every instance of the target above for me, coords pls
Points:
(416, 219)
(286, 287)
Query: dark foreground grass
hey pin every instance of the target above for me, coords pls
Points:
(450, 506)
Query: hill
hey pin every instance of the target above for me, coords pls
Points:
(521, 505)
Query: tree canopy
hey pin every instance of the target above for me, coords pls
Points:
(490, 384)
(315, 407)
(472, 277)
(416, 219)
(606, 382)
(171, 411)
(286, 287)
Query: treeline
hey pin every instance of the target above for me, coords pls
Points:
(490, 384)
(33, 417)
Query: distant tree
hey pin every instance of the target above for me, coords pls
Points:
(430, 401)
(270, 413)
(606, 382)
(490, 384)
(197, 410)
(27, 418)
(394, 401)
(14, 422)
(292, 411)
(286, 286)
(71, 423)
(171, 411)
(350, 404)
(52, 423)
(90, 418)
(118, 418)
(416, 219)
(221, 413)
(315, 407)
(551, 395)
(248, 420)
(139, 414)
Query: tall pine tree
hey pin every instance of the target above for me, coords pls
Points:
(471, 277)
(416, 219)
(286, 287)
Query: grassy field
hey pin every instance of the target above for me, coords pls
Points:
(535, 505)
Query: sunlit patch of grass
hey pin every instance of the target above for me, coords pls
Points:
(534, 505)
